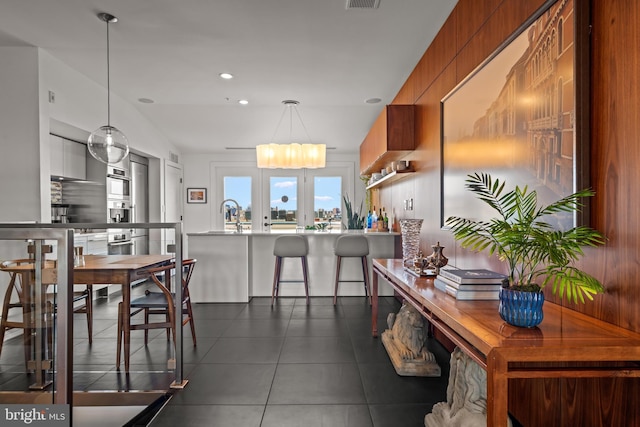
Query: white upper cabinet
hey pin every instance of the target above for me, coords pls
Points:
(68, 158)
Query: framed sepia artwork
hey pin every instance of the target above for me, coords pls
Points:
(523, 116)
(196, 195)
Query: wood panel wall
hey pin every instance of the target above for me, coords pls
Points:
(472, 32)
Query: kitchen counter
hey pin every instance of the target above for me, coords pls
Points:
(82, 232)
(304, 232)
(233, 267)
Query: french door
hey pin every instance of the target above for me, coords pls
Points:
(305, 198)
(276, 199)
(283, 204)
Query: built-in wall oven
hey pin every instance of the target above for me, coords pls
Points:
(119, 239)
(119, 242)
(119, 211)
(118, 184)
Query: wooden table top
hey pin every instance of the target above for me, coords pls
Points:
(564, 334)
(102, 268)
(121, 262)
(106, 262)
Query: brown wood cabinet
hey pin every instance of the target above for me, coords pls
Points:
(391, 138)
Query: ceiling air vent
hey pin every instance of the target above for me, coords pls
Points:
(363, 4)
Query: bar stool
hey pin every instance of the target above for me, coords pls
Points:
(352, 246)
(290, 247)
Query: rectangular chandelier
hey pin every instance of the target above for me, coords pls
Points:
(291, 156)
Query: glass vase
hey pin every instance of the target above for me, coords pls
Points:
(410, 230)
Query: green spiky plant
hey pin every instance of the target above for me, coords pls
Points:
(355, 221)
(533, 249)
(367, 193)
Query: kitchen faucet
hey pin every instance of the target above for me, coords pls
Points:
(238, 225)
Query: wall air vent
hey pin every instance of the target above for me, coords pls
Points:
(363, 4)
(174, 157)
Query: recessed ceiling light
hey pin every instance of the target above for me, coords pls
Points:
(146, 100)
(372, 100)
(243, 102)
(226, 76)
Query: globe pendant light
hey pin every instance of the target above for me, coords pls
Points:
(107, 144)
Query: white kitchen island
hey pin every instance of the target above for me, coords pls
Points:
(234, 267)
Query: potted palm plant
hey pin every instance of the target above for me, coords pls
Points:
(537, 254)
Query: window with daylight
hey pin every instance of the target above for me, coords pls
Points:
(327, 200)
(283, 202)
(237, 188)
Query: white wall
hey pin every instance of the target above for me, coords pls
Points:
(27, 74)
(197, 217)
(19, 135)
(82, 103)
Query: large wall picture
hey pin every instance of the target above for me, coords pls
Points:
(515, 117)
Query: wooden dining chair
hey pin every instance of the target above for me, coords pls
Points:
(22, 301)
(83, 296)
(15, 298)
(160, 303)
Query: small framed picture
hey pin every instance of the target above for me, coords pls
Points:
(196, 195)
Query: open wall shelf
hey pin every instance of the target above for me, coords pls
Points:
(389, 178)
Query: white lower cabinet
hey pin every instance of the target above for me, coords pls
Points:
(222, 271)
(236, 267)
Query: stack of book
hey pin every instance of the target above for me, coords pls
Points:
(477, 284)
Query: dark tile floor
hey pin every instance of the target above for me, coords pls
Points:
(254, 365)
(94, 365)
(297, 365)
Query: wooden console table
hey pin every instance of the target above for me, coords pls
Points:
(592, 348)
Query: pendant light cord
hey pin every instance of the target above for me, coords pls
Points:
(291, 105)
(108, 82)
(278, 125)
(303, 126)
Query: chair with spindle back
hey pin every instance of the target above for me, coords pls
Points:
(84, 296)
(22, 278)
(15, 298)
(20, 302)
(160, 303)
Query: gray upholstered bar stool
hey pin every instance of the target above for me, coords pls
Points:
(290, 247)
(352, 246)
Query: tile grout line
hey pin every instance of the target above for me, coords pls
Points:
(275, 372)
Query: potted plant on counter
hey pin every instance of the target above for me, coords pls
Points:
(355, 220)
(537, 254)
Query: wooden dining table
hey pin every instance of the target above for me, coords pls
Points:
(114, 270)
(120, 270)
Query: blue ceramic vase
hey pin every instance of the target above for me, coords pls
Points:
(523, 309)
